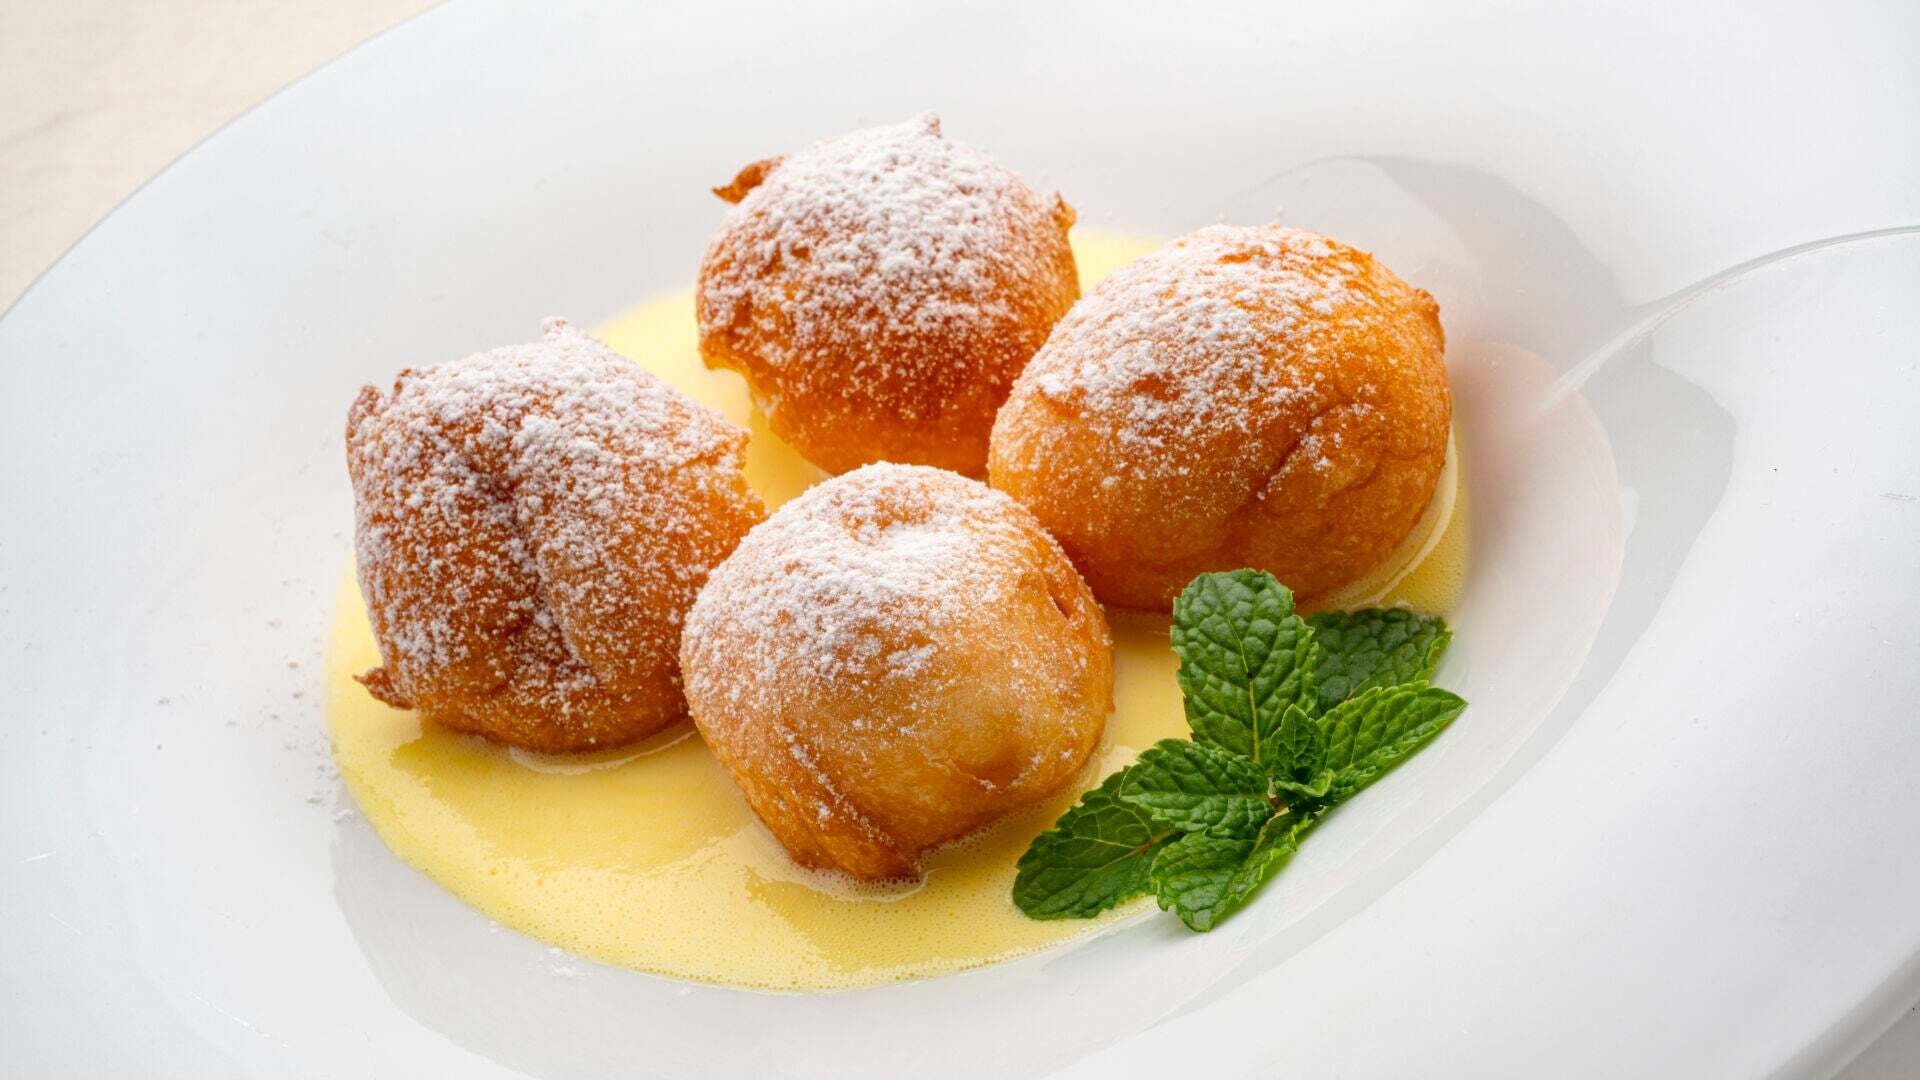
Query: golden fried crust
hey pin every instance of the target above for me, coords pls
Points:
(891, 661)
(880, 291)
(1260, 397)
(532, 525)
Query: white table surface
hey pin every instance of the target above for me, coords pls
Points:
(96, 97)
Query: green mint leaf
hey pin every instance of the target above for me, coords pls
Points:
(1098, 854)
(1372, 733)
(1203, 879)
(1305, 793)
(1355, 651)
(1244, 658)
(1195, 788)
(1271, 851)
(1311, 710)
(1193, 876)
(1299, 748)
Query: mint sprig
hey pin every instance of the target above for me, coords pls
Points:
(1355, 651)
(1290, 718)
(1245, 657)
(1193, 788)
(1098, 854)
(1372, 733)
(1194, 877)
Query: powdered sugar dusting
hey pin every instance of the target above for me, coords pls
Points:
(1243, 396)
(904, 257)
(1185, 338)
(534, 520)
(890, 660)
(857, 578)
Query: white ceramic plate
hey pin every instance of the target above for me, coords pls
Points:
(1673, 835)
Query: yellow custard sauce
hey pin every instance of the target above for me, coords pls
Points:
(647, 856)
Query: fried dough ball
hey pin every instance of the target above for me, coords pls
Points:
(532, 525)
(892, 660)
(880, 290)
(1243, 397)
